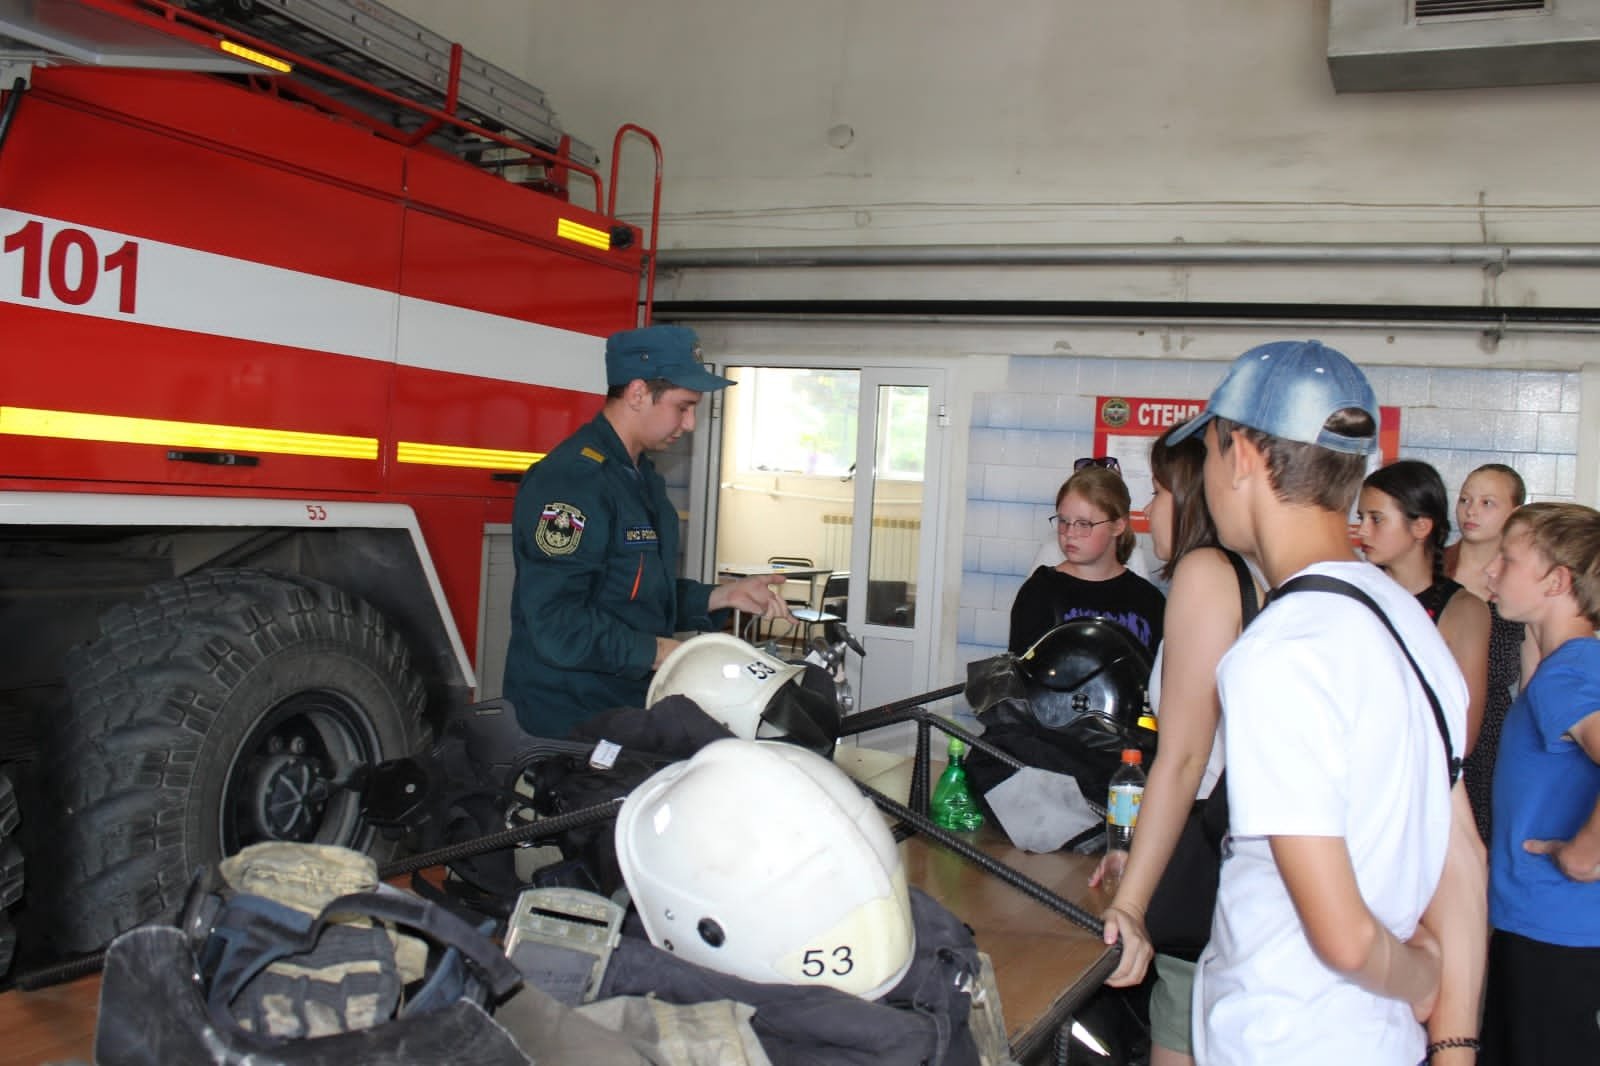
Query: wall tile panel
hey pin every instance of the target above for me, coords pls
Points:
(992, 628)
(1514, 431)
(1538, 472)
(1494, 390)
(1005, 410)
(977, 590)
(1538, 391)
(994, 556)
(1557, 433)
(1450, 388)
(987, 445)
(1425, 427)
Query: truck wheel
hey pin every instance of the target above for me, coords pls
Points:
(222, 709)
(10, 870)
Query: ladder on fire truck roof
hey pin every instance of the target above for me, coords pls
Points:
(384, 48)
(361, 39)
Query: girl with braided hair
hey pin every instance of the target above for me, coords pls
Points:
(1404, 519)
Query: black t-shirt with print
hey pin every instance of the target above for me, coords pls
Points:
(1050, 597)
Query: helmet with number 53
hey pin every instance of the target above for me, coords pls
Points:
(765, 861)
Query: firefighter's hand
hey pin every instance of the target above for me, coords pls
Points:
(664, 646)
(760, 594)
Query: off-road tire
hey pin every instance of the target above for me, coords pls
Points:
(11, 870)
(191, 710)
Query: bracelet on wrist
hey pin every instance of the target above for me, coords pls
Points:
(1446, 1044)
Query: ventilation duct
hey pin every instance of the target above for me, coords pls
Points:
(1388, 45)
(1427, 9)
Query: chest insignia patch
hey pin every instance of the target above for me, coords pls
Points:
(560, 529)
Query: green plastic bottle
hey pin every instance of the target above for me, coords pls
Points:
(952, 806)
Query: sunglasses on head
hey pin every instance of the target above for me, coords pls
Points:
(1107, 461)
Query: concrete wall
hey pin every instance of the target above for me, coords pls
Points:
(916, 121)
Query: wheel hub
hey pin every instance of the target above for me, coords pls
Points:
(290, 792)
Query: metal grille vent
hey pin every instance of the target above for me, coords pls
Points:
(1430, 9)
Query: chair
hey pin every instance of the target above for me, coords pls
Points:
(831, 608)
(800, 562)
(810, 582)
(889, 603)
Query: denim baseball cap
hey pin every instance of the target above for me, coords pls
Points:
(670, 352)
(1289, 389)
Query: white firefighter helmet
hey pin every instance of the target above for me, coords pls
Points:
(765, 862)
(756, 695)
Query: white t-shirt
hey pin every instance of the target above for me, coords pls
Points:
(1326, 733)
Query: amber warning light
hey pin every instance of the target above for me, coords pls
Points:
(255, 57)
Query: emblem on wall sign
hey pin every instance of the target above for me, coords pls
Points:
(1115, 412)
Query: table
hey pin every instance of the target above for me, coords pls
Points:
(1044, 965)
(793, 573)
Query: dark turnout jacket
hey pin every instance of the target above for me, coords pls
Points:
(596, 550)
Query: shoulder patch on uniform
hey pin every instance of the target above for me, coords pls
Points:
(591, 454)
(560, 529)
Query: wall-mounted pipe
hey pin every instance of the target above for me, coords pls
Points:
(687, 312)
(784, 494)
(985, 255)
(1145, 312)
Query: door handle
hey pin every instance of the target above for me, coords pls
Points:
(214, 458)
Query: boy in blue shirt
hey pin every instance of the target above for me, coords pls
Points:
(1543, 1004)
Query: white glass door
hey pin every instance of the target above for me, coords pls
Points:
(894, 604)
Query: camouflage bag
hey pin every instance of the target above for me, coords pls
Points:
(289, 942)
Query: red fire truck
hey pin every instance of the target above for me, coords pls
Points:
(291, 294)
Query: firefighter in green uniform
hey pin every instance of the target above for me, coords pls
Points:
(598, 597)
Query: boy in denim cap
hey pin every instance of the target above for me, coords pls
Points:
(1341, 808)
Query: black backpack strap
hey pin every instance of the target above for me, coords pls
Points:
(1249, 606)
(497, 973)
(1324, 583)
(252, 932)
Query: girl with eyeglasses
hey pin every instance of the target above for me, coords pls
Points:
(1091, 524)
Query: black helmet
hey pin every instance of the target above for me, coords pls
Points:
(1087, 678)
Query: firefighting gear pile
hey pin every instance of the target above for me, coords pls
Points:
(295, 954)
